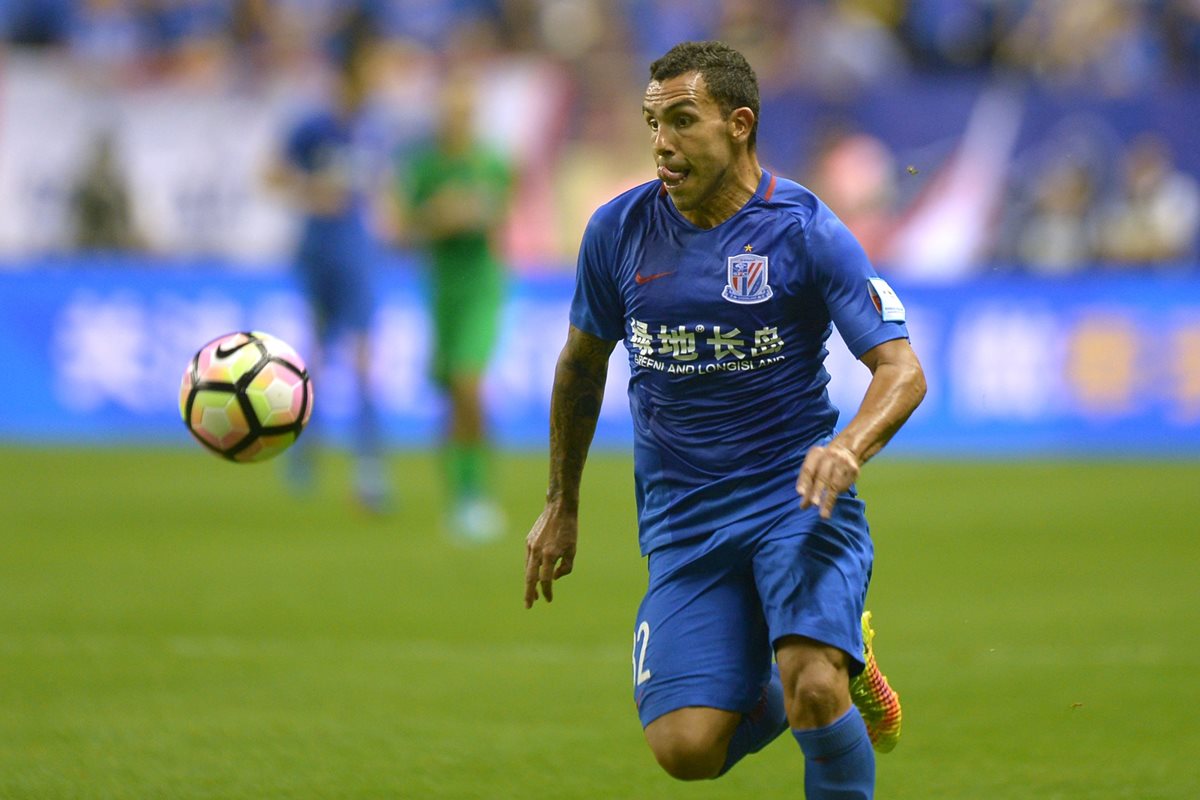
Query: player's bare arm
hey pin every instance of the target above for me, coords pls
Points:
(574, 408)
(896, 389)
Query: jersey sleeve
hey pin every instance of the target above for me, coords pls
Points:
(596, 306)
(850, 286)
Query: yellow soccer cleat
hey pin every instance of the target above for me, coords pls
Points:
(876, 700)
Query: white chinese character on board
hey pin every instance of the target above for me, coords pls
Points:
(1006, 363)
(101, 351)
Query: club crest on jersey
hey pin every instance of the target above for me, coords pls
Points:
(747, 279)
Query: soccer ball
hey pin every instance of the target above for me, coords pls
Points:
(246, 396)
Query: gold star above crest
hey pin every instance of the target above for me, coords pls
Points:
(749, 248)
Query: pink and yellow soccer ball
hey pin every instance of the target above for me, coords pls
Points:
(246, 396)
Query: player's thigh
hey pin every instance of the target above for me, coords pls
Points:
(700, 639)
(812, 576)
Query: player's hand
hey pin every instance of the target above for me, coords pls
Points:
(549, 552)
(827, 472)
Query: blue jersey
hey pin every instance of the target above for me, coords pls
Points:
(726, 331)
(336, 254)
(333, 147)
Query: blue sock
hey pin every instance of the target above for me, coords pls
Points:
(761, 726)
(839, 763)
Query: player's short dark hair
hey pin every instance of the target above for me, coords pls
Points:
(727, 74)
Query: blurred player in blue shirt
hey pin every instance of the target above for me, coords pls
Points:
(331, 159)
(723, 280)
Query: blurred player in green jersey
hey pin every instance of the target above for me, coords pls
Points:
(454, 194)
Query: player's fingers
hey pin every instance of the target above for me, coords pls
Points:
(804, 483)
(815, 497)
(565, 566)
(805, 492)
(530, 591)
(825, 487)
(837, 480)
(821, 479)
(546, 578)
(531, 578)
(827, 501)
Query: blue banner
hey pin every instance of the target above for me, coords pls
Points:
(1105, 365)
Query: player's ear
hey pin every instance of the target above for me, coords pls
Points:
(740, 123)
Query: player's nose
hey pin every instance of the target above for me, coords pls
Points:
(662, 145)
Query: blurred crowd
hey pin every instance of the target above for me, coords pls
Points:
(1117, 44)
(1079, 200)
(1101, 198)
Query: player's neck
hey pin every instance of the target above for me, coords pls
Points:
(739, 185)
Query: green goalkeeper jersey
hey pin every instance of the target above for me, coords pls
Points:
(479, 176)
(467, 276)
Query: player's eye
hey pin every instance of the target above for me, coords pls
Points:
(652, 122)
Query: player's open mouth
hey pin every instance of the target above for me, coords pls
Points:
(670, 177)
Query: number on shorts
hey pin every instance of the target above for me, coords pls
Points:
(640, 673)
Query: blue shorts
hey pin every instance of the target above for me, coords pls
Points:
(716, 605)
(338, 285)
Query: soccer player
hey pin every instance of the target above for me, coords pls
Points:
(723, 280)
(326, 171)
(454, 199)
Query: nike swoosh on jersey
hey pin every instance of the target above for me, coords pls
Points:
(640, 278)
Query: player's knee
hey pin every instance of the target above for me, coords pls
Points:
(689, 759)
(816, 682)
(815, 694)
(813, 706)
(816, 698)
(687, 752)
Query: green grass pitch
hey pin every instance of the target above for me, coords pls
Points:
(175, 627)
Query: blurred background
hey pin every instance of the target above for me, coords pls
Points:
(1024, 171)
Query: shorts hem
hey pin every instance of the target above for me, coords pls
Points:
(857, 665)
(653, 709)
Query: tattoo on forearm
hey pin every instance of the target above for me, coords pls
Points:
(574, 408)
(582, 390)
